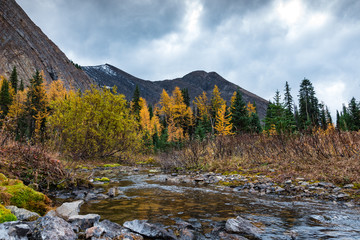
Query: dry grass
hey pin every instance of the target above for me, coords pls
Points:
(33, 164)
(325, 156)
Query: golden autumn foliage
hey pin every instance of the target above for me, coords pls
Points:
(250, 108)
(222, 124)
(56, 91)
(202, 105)
(178, 116)
(216, 101)
(150, 126)
(95, 124)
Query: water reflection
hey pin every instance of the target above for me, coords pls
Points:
(147, 198)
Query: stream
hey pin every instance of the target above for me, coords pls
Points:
(144, 197)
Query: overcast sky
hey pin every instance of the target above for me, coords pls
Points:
(258, 45)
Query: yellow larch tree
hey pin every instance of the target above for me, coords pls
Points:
(222, 124)
(56, 91)
(216, 100)
(202, 105)
(250, 108)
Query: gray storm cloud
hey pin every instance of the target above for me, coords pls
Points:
(256, 44)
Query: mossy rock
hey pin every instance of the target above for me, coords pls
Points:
(104, 179)
(112, 165)
(14, 192)
(6, 215)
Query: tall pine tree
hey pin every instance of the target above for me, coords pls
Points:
(239, 115)
(308, 106)
(5, 98)
(14, 79)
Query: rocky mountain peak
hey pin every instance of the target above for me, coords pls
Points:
(24, 45)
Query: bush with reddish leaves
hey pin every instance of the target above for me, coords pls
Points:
(31, 164)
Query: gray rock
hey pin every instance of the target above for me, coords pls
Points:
(53, 228)
(349, 186)
(112, 192)
(227, 236)
(14, 230)
(69, 209)
(51, 213)
(94, 196)
(279, 190)
(110, 230)
(187, 234)
(148, 229)
(288, 182)
(23, 214)
(82, 222)
(242, 226)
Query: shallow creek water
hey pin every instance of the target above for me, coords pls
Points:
(149, 198)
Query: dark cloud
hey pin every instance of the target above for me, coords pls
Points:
(256, 44)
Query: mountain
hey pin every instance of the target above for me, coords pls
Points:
(24, 45)
(196, 82)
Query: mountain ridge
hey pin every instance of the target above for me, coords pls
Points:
(196, 82)
(23, 45)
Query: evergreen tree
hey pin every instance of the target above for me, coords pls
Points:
(36, 107)
(254, 123)
(337, 120)
(354, 115)
(14, 79)
(5, 98)
(288, 99)
(186, 97)
(308, 106)
(135, 103)
(239, 116)
(21, 87)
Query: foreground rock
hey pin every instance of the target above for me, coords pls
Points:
(68, 209)
(53, 228)
(242, 226)
(22, 214)
(147, 229)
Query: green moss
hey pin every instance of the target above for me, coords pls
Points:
(356, 186)
(14, 192)
(104, 179)
(231, 183)
(150, 160)
(112, 165)
(6, 215)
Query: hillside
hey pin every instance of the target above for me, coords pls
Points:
(24, 45)
(196, 82)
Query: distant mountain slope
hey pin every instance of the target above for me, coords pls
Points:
(24, 45)
(196, 82)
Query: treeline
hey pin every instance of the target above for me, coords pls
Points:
(101, 123)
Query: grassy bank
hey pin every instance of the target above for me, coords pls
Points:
(324, 156)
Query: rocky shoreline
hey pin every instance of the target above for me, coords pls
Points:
(298, 188)
(65, 223)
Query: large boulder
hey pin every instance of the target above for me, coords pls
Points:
(14, 230)
(22, 214)
(110, 230)
(69, 209)
(82, 222)
(147, 229)
(242, 226)
(54, 228)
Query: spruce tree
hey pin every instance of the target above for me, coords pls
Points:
(21, 87)
(288, 99)
(5, 98)
(14, 79)
(186, 97)
(36, 107)
(239, 115)
(308, 106)
(135, 108)
(354, 115)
